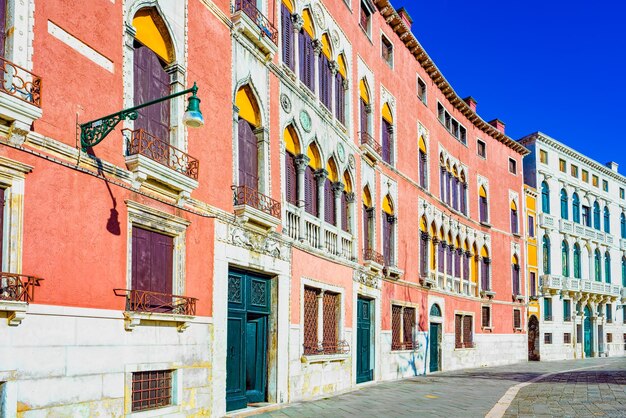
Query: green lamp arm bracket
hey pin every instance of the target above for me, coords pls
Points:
(93, 132)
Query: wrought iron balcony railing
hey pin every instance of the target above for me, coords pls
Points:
(367, 139)
(244, 195)
(142, 143)
(18, 287)
(154, 302)
(267, 27)
(319, 348)
(371, 255)
(20, 83)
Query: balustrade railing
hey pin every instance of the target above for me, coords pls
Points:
(20, 83)
(18, 287)
(312, 230)
(141, 142)
(244, 195)
(331, 242)
(293, 225)
(249, 8)
(346, 248)
(154, 302)
(367, 139)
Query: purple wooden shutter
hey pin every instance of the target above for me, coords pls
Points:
(310, 191)
(287, 36)
(449, 252)
(344, 211)
(3, 28)
(456, 194)
(485, 275)
(364, 127)
(386, 142)
(442, 183)
(329, 202)
(248, 156)
(483, 209)
(151, 82)
(2, 203)
(340, 98)
(422, 169)
(291, 179)
(302, 62)
(466, 272)
(440, 255)
(152, 261)
(463, 198)
(141, 260)
(423, 254)
(162, 255)
(366, 228)
(387, 239)
(516, 284)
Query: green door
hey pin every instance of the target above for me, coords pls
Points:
(246, 362)
(435, 331)
(588, 337)
(364, 371)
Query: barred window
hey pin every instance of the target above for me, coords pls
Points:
(547, 338)
(609, 337)
(151, 390)
(517, 319)
(463, 332)
(324, 339)
(567, 338)
(486, 316)
(402, 326)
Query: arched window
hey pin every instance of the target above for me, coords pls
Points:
(340, 90)
(622, 222)
(347, 198)
(545, 197)
(565, 258)
(292, 149)
(329, 192)
(287, 35)
(455, 188)
(483, 205)
(623, 271)
(575, 208)
(485, 275)
(388, 231)
(248, 148)
(325, 74)
(515, 268)
(387, 134)
(368, 220)
(598, 266)
(546, 255)
(435, 311)
(421, 162)
(596, 215)
(564, 206)
(607, 267)
(577, 261)
(423, 243)
(152, 53)
(310, 181)
(607, 220)
(463, 193)
(514, 221)
(307, 51)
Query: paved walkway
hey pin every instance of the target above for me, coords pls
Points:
(596, 388)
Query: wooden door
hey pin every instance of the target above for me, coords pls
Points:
(533, 339)
(588, 333)
(434, 352)
(364, 358)
(151, 82)
(248, 155)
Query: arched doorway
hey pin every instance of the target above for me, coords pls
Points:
(434, 353)
(587, 333)
(533, 339)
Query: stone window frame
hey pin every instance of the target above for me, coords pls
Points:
(489, 326)
(177, 389)
(153, 219)
(323, 287)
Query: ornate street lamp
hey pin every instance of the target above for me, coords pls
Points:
(93, 132)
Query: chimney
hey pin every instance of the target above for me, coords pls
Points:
(498, 124)
(471, 102)
(612, 165)
(406, 18)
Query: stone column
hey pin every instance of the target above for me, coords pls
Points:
(337, 190)
(320, 319)
(352, 229)
(320, 177)
(298, 22)
(594, 327)
(302, 161)
(317, 49)
(334, 69)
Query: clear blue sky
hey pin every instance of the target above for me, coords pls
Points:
(538, 65)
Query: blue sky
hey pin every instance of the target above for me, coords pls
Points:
(551, 66)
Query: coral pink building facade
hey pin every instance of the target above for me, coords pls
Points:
(341, 217)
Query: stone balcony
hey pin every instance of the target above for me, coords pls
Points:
(584, 232)
(554, 284)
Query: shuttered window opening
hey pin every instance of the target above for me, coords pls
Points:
(329, 202)
(326, 78)
(152, 257)
(248, 155)
(441, 256)
(287, 37)
(344, 212)
(567, 338)
(310, 191)
(151, 390)
(325, 305)
(423, 254)
(547, 338)
(291, 179)
(422, 169)
(340, 99)
(2, 203)
(387, 142)
(364, 117)
(463, 331)
(388, 250)
(517, 319)
(486, 316)
(484, 280)
(307, 60)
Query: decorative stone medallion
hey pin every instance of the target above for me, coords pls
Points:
(285, 103)
(318, 14)
(305, 121)
(351, 161)
(341, 152)
(334, 36)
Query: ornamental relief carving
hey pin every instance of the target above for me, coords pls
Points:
(318, 15)
(264, 244)
(366, 279)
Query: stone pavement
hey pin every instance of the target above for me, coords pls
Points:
(596, 391)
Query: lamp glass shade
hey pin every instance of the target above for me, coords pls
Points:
(193, 116)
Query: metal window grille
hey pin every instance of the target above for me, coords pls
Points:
(468, 335)
(331, 322)
(151, 390)
(310, 321)
(567, 338)
(408, 322)
(396, 326)
(458, 331)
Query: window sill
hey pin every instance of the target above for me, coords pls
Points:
(518, 330)
(404, 351)
(242, 23)
(485, 224)
(517, 235)
(157, 412)
(324, 358)
(487, 293)
(473, 347)
(490, 328)
(21, 114)
(16, 311)
(134, 319)
(145, 169)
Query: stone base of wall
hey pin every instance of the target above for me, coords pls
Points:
(78, 362)
(490, 350)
